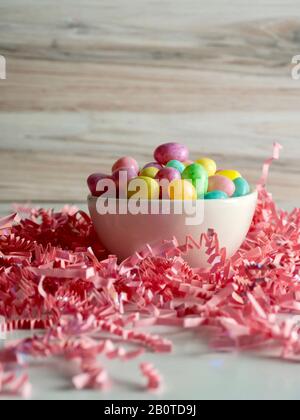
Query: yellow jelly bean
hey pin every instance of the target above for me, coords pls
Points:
(229, 173)
(149, 172)
(181, 189)
(143, 187)
(209, 165)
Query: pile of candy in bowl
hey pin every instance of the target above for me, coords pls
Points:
(170, 176)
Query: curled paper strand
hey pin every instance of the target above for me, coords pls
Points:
(266, 168)
(154, 380)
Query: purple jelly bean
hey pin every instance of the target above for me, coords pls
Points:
(92, 182)
(153, 165)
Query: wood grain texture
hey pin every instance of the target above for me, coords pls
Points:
(90, 81)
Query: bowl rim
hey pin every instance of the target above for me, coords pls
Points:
(232, 200)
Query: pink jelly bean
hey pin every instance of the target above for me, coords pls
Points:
(171, 151)
(221, 183)
(121, 183)
(153, 165)
(130, 173)
(169, 174)
(126, 162)
(92, 182)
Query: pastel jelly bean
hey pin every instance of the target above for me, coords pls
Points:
(143, 187)
(171, 151)
(92, 182)
(150, 172)
(229, 173)
(121, 177)
(199, 178)
(177, 165)
(153, 165)
(169, 174)
(129, 173)
(126, 162)
(216, 195)
(221, 183)
(241, 187)
(164, 177)
(209, 165)
(181, 189)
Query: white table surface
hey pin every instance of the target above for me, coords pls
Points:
(192, 371)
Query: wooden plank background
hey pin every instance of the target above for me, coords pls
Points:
(89, 81)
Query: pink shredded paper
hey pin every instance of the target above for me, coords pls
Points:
(55, 276)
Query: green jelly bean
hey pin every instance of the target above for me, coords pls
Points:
(197, 174)
(216, 195)
(241, 187)
(177, 165)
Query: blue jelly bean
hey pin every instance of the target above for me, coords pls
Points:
(241, 187)
(216, 195)
(177, 165)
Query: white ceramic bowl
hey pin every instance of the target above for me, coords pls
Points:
(124, 234)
